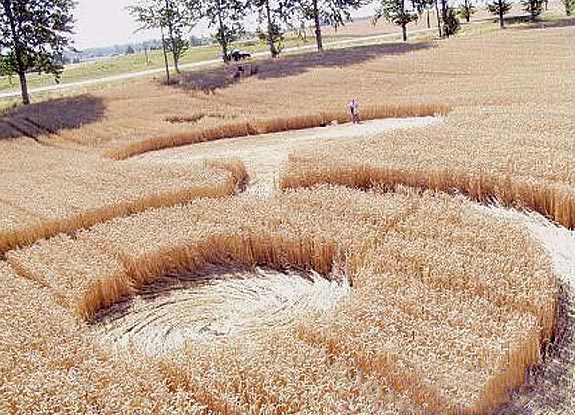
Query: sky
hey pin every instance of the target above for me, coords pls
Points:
(107, 23)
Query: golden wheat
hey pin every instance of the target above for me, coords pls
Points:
(509, 135)
(46, 191)
(270, 125)
(448, 307)
(540, 177)
(50, 365)
(443, 309)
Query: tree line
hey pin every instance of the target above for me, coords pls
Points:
(35, 34)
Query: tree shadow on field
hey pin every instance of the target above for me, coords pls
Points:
(527, 24)
(51, 117)
(291, 65)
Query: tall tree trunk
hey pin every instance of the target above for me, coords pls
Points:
(318, 36)
(403, 25)
(18, 51)
(443, 15)
(467, 11)
(428, 19)
(24, 86)
(501, 21)
(273, 50)
(438, 18)
(222, 30)
(171, 34)
(165, 55)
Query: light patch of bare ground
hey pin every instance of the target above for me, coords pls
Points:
(217, 304)
(265, 155)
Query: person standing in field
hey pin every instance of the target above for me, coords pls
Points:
(354, 111)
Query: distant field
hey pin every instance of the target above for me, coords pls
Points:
(137, 62)
(358, 32)
(355, 30)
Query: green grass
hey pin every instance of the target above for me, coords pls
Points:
(8, 105)
(135, 63)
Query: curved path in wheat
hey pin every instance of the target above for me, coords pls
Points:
(265, 155)
(165, 314)
(550, 389)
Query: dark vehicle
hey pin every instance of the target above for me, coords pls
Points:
(237, 55)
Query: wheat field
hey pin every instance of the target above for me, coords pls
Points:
(142, 279)
(46, 191)
(507, 135)
(437, 350)
(513, 158)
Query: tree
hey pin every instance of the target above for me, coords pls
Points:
(449, 18)
(179, 17)
(130, 50)
(34, 36)
(149, 16)
(427, 7)
(569, 7)
(499, 8)
(174, 18)
(397, 12)
(146, 56)
(270, 12)
(466, 10)
(227, 16)
(438, 16)
(330, 12)
(533, 7)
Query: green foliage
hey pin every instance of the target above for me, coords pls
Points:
(335, 13)
(451, 23)
(227, 16)
(176, 17)
(496, 9)
(533, 7)
(270, 13)
(34, 34)
(273, 37)
(569, 7)
(4, 67)
(466, 10)
(396, 11)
